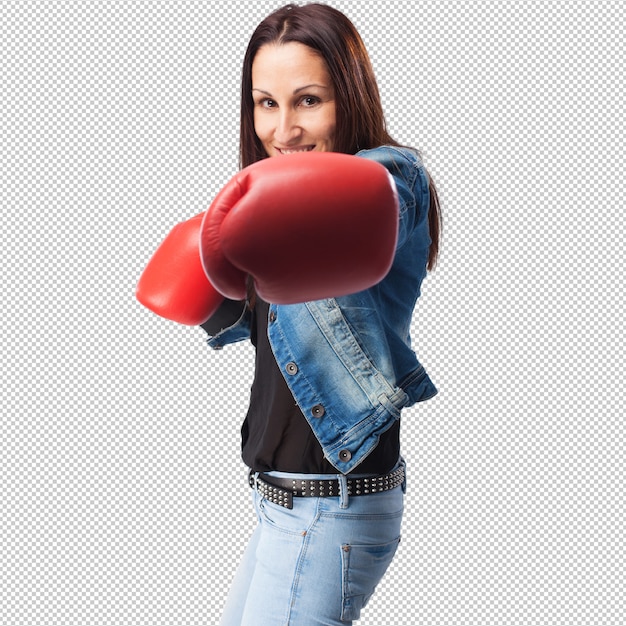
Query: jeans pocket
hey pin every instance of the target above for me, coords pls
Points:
(363, 568)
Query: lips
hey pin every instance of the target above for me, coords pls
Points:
(295, 150)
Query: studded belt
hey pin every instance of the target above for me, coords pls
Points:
(281, 491)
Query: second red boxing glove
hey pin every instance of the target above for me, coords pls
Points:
(173, 284)
(304, 226)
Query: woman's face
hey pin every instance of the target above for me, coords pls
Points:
(294, 100)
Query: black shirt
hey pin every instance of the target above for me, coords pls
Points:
(275, 433)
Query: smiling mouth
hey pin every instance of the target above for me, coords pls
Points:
(295, 150)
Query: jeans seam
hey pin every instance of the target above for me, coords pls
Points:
(301, 558)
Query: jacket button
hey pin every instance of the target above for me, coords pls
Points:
(272, 316)
(291, 368)
(345, 455)
(318, 410)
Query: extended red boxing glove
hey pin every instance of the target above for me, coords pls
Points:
(173, 284)
(305, 226)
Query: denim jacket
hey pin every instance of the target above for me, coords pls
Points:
(348, 361)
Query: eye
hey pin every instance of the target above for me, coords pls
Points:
(309, 101)
(266, 103)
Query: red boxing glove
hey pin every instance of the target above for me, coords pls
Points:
(304, 226)
(174, 285)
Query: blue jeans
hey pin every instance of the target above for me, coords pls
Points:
(316, 564)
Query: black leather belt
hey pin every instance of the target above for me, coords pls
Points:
(281, 491)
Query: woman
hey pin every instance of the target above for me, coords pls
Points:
(318, 563)
(321, 436)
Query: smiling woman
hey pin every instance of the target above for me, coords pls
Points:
(315, 251)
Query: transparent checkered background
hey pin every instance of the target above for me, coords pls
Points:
(123, 498)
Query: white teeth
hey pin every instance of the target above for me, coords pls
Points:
(296, 151)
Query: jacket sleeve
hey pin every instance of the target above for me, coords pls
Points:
(229, 324)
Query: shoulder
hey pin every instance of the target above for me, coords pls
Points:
(399, 160)
(406, 167)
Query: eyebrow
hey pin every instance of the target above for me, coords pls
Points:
(298, 90)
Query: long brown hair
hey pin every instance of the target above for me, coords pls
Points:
(360, 120)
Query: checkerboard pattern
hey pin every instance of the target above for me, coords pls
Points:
(120, 119)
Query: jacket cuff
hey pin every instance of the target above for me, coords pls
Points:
(226, 315)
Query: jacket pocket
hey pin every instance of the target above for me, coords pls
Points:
(363, 568)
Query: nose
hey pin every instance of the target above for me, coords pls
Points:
(288, 129)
